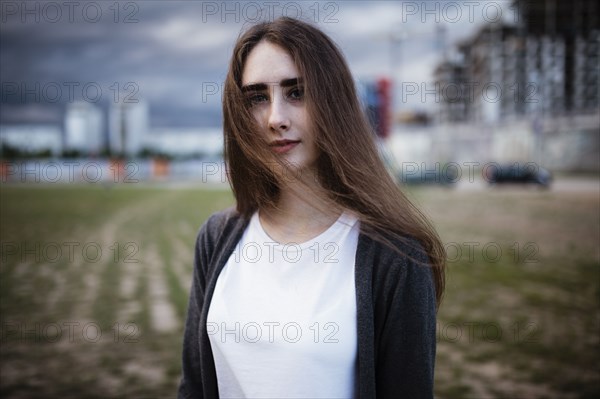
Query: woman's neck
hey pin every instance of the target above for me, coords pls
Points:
(302, 213)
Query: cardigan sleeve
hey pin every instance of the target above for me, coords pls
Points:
(405, 318)
(191, 380)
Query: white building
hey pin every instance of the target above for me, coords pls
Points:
(128, 127)
(83, 128)
(185, 141)
(32, 138)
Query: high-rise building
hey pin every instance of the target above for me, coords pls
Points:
(451, 83)
(83, 128)
(564, 38)
(128, 126)
(544, 64)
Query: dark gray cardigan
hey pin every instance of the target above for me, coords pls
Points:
(395, 299)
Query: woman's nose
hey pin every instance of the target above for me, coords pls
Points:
(278, 114)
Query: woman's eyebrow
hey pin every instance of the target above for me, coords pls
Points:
(263, 86)
(254, 87)
(290, 82)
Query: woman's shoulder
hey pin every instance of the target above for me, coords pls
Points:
(221, 222)
(216, 235)
(219, 218)
(399, 248)
(395, 258)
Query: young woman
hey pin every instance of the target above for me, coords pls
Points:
(324, 281)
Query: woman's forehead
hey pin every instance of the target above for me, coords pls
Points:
(268, 63)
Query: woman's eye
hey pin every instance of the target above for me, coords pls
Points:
(297, 93)
(257, 99)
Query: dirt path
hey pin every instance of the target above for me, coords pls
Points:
(163, 316)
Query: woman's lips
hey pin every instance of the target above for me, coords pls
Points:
(283, 146)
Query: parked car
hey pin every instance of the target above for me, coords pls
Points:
(415, 174)
(528, 173)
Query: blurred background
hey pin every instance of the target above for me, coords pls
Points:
(486, 112)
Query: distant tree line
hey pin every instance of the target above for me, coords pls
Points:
(8, 151)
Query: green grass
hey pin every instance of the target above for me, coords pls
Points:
(543, 296)
(528, 319)
(136, 362)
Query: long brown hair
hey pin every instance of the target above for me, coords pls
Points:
(349, 166)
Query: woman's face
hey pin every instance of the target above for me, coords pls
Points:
(273, 88)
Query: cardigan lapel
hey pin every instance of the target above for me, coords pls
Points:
(364, 323)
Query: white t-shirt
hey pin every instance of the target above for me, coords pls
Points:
(282, 319)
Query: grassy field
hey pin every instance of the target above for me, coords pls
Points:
(94, 284)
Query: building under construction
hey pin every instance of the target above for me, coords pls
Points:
(543, 64)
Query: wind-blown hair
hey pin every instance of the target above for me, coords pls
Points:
(349, 166)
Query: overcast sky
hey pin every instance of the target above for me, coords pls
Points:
(174, 54)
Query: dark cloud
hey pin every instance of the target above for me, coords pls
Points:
(165, 52)
(46, 64)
